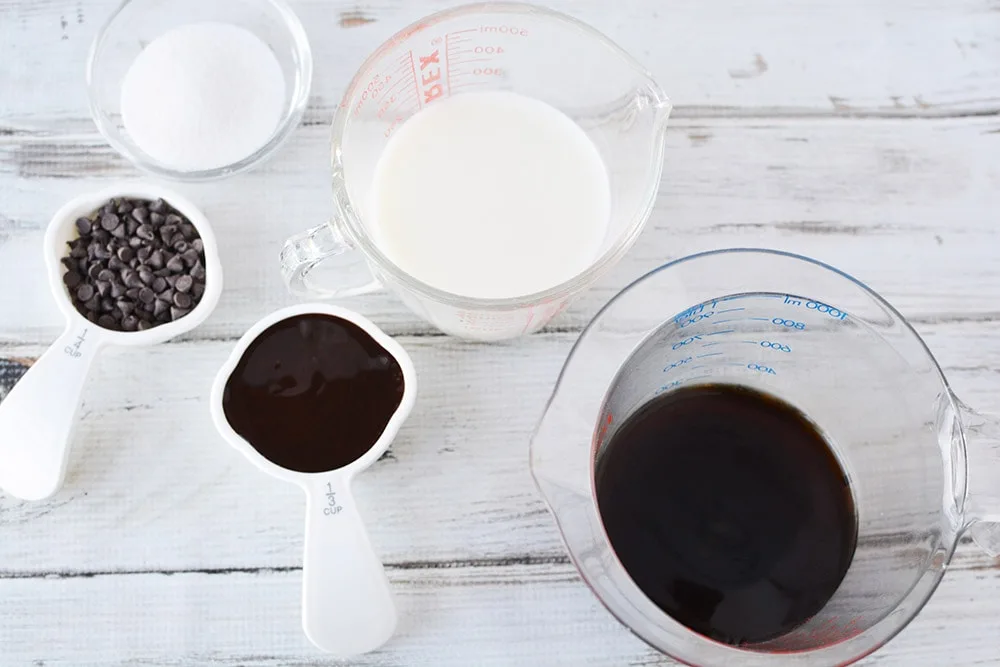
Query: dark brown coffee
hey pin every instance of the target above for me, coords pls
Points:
(728, 509)
(313, 393)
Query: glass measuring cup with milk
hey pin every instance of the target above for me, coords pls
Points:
(489, 163)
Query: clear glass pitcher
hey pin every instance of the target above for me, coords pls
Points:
(923, 467)
(494, 46)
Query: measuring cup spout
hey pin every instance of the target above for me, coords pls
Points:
(38, 417)
(982, 508)
(347, 606)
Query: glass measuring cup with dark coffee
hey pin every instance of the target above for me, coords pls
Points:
(754, 460)
(728, 509)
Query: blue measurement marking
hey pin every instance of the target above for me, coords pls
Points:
(752, 342)
(716, 333)
(728, 310)
(760, 319)
(710, 344)
(710, 354)
(735, 319)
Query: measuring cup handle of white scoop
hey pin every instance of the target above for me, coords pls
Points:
(347, 606)
(303, 252)
(38, 416)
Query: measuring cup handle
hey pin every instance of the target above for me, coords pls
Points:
(303, 252)
(982, 437)
(347, 606)
(38, 416)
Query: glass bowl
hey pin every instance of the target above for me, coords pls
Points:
(138, 22)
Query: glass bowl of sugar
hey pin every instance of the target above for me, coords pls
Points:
(199, 89)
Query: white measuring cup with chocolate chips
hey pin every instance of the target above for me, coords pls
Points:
(314, 394)
(132, 265)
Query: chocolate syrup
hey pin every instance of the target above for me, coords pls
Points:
(313, 393)
(728, 508)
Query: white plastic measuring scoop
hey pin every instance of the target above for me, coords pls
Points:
(38, 417)
(347, 606)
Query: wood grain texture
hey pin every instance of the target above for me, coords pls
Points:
(905, 205)
(893, 58)
(862, 133)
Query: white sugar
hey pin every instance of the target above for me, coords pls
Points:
(203, 96)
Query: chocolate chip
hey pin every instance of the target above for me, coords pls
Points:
(156, 259)
(110, 222)
(135, 250)
(190, 257)
(182, 300)
(176, 264)
(132, 280)
(184, 285)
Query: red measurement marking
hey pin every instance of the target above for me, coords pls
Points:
(416, 85)
(459, 32)
(447, 64)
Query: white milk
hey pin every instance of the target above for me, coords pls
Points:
(490, 195)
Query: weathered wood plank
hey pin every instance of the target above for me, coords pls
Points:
(821, 57)
(152, 487)
(454, 617)
(906, 206)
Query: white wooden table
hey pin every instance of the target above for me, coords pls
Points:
(865, 133)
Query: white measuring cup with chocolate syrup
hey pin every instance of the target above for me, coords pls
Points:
(38, 417)
(315, 394)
